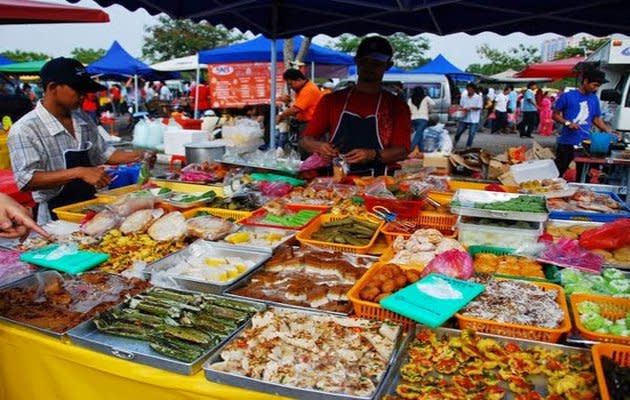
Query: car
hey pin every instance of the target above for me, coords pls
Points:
(13, 102)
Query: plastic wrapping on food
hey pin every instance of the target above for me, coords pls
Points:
(170, 227)
(130, 203)
(454, 263)
(11, 268)
(139, 221)
(568, 253)
(102, 223)
(209, 228)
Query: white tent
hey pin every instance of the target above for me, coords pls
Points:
(188, 63)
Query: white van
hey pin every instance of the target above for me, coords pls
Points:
(439, 87)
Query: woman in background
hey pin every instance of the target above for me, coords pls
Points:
(420, 106)
(546, 122)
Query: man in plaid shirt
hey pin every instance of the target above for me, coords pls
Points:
(56, 150)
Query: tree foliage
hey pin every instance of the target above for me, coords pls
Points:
(171, 38)
(23, 56)
(515, 58)
(585, 47)
(87, 56)
(409, 52)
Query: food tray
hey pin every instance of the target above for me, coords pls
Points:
(468, 198)
(593, 216)
(445, 223)
(87, 335)
(551, 271)
(234, 215)
(371, 310)
(613, 308)
(71, 212)
(455, 185)
(222, 250)
(540, 383)
(304, 236)
(404, 337)
(471, 234)
(175, 186)
(255, 218)
(287, 236)
(619, 354)
(403, 209)
(551, 335)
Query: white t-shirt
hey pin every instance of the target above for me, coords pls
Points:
(472, 102)
(501, 102)
(165, 93)
(421, 112)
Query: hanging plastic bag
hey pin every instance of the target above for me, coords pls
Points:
(454, 263)
(611, 236)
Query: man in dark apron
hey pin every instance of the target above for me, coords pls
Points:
(56, 150)
(367, 126)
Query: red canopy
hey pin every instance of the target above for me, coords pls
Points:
(37, 12)
(553, 69)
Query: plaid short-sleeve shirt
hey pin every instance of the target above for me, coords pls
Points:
(37, 142)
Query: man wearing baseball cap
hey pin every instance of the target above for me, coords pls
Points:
(56, 151)
(578, 110)
(366, 125)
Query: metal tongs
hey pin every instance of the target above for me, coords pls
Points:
(390, 217)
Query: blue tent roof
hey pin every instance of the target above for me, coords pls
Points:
(118, 62)
(4, 60)
(259, 49)
(439, 65)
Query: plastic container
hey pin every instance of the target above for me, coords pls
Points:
(73, 213)
(619, 354)
(405, 209)
(550, 271)
(471, 234)
(593, 216)
(174, 186)
(600, 143)
(255, 218)
(455, 185)
(371, 310)
(445, 223)
(534, 170)
(304, 236)
(523, 331)
(234, 215)
(612, 308)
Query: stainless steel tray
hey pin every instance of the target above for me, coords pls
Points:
(222, 250)
(539, 381)
(467, 199)
(402, 342)
(287, 236)
(87, 335)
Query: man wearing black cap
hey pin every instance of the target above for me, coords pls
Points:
(56, 150)
(577, 110)
(366, 125)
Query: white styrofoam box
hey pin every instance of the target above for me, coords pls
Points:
(174, 141)
(534, 170)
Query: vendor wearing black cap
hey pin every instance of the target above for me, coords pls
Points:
(56, 150)
(367, 125)
(578, 110)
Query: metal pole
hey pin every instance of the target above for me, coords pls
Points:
(312, 71)
(272, 108)
(137, 94)
(196, 113)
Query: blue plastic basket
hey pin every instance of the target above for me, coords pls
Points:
(593, 216)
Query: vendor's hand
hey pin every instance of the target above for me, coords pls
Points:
(150, 157)
(573, 126)
(358, 156)
(15, 220)
(325, 149)
(95, 176)
(285, 98)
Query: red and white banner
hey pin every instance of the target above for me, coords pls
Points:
(240, 84)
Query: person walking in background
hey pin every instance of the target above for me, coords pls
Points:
(420, 106)
(115, 95)
(511, 108)
(472, 103)
(500, 110)
(546, 122)
(530, 111)
(90, 106)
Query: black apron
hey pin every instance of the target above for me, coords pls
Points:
(356, 132)
(76, 190)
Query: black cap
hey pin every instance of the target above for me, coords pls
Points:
(594, 75)
(376, 47)
(70, 72)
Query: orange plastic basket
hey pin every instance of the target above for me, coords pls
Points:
(454, 185)
(218, 212)
(551, 335)
(371, 310)
(613, 308)
(304, 236)
(445, 223)
(619, 354)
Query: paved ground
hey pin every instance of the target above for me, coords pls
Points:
(498, 143)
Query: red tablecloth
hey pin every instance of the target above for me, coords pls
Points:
(8, 186)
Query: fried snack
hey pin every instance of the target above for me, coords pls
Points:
(389, 279)
(622, 255)
(508, 265)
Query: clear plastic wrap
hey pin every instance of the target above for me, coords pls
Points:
(102, 223)
(128, 204)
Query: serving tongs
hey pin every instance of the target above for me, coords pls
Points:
(390, 217)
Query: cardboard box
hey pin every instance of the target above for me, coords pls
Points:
(436, 160)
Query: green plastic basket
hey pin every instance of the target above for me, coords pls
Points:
(550, 271)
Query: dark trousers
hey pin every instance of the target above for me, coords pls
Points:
(500, 122)
(565, 153)
(529, 123)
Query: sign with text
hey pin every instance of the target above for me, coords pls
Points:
(241, 84)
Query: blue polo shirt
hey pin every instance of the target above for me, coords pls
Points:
(527, 106)
(580, 109)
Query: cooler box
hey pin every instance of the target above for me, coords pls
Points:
(174, 140)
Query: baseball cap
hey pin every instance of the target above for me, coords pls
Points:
(594, 75)
(70, 72)
(375, 47)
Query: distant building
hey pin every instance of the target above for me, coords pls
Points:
(550, 48)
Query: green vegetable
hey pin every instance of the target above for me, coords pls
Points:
(164, 191)
(593, 321)
(588, 307)
(581, 287)
(518, 204)
(628, 320)
(619, 330)
(571, 276)
(618, 286)
(611, 274)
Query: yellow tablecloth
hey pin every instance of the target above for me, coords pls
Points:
(34, 366)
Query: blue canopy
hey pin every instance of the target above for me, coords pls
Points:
(439, 65)
(117, 62)
(4, 60)
(282, 19)
(259, 49)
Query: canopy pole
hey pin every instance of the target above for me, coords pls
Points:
(272, 108)
(197, 80)
(312, 71)
(137, 94)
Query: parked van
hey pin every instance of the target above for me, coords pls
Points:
(441, 88)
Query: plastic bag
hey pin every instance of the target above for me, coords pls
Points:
(379, 189)
(131, 203)
(454, 263)
(102, 223)
(568, 253)
(314, 161)
(275, 189)
(611, 236)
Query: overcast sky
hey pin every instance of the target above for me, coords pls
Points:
(129, 28)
